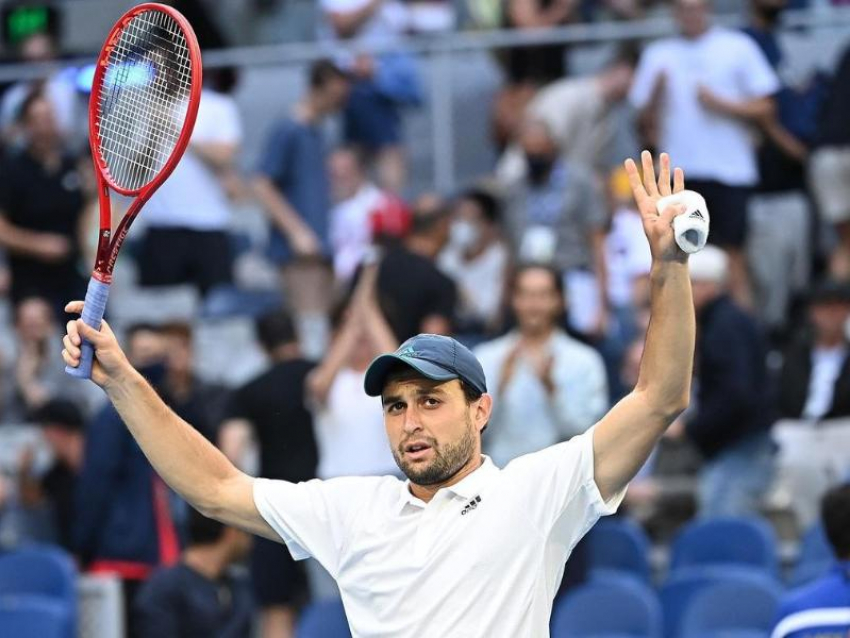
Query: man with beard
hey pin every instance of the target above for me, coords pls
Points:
(461, 548)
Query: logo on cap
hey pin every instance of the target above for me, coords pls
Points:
(407, 352)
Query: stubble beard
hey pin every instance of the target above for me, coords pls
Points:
(448, 460)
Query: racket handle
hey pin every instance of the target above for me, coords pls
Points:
(93, 310)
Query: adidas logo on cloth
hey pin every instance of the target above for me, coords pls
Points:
(470, 506)
(697, 214)
(407, 352)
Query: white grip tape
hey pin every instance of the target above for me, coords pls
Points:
(691, 227)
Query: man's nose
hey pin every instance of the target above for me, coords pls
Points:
(411, 420)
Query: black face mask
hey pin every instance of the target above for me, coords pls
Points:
(154, 372)
(770, 14)
(539, 167)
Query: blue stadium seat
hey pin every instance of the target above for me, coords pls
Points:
(33, 617)
(620, 545)
(731, 607)
(323, 619)
(43, 571)
(586, 612)
(682, 586)
(815, 559)
(733, 541)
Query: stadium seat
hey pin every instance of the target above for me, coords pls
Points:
(34, 617)
(731, 607)
(323, 619)
(815, 559)
(732, 541)
(43, 571)
(586, 612)
(619, 545)
(682, 586)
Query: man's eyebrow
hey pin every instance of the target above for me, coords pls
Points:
(431, 389)
(390, 399)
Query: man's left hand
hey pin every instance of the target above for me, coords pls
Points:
(657, 226)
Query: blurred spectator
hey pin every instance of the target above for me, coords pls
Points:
(124, 523)
(194, 400)
(815, 378)
(292, 185)
(39, 372)
(546, 386)
(199, 597)
(414, 295)
(732, 417)
(355, 200)
(628, 262)
(556, 214)
(41, 205)
(349, 424)
(527, 68)
(187, 219)
(477, 259)
(698, 94)
(59, 90)
(780, 220)
(62, 427)
(822, 608)
(579, 113)
(829, 169)
(383, 83)
(272, 408)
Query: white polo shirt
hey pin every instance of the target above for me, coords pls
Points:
(484, 558)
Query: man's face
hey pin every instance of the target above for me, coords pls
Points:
(34, 320)
(432, 431)
(536, 301)
(335, 93)
(40, 123)
(345, 174)
(693, 17)
(830, 318)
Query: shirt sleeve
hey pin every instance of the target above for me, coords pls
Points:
(757, 77)
(313, 518)
(645, 77)
(562, 496)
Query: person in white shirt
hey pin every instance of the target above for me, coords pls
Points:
(356, 200)
(477, 259)
(462, 548)
(188, 218)
(698, 95)
(546, 386)
(349, 424)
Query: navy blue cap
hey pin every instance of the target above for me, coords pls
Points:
(435, 357)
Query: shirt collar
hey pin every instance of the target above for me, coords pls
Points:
(467, 487)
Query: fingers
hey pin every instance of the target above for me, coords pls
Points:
(96, 337)
(664, 175)
(638, 190)
(673, 211)
(74, 306)
(73, 333)
(678, 180)
(648, 174)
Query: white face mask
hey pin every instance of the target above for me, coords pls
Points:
(463, 234)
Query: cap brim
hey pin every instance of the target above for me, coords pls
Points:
(376, 374)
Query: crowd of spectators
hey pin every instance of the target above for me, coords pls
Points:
(540, 266)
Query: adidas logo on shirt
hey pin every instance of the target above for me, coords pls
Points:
(697, 214)
(470, 506)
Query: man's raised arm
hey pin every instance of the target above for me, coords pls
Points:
(191, 465)
(624, 438)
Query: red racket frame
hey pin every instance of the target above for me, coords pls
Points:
(107, 245)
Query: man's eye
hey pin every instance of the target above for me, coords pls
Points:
(431, 402)
(396, 407)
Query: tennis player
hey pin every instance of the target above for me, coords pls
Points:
(462, 548)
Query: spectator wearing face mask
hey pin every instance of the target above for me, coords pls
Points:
(557, 216)
(476, 258)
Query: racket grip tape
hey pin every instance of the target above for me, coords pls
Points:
(95, 305)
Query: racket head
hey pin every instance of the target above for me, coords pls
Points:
(144, 99)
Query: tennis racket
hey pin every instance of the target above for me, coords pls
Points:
(144, 100)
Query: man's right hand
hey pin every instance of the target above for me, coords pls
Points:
(110, 362)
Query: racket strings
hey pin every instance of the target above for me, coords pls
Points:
(143, 98)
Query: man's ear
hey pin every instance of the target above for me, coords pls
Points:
(483, 411)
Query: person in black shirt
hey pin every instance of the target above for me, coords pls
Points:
(41, 204)
(272, 406)
(414, 295)
(62, 426)
(199, 597)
